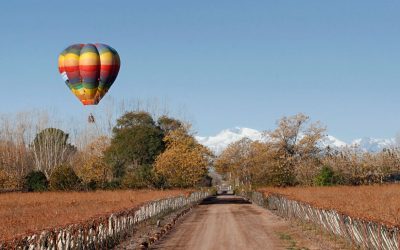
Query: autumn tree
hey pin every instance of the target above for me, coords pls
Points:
(245, 162)
(295, 141)
(290, 154)
(185, 162)
(231, 162)
(90, 165)
(356, 167)
(260, 164)
(15, 163)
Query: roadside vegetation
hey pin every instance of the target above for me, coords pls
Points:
(292, 155)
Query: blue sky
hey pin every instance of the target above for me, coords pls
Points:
(228, 63)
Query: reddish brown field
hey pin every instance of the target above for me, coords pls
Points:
(378, 203)
(26, 212)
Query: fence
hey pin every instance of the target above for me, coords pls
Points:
(362, 233)
(103, 232)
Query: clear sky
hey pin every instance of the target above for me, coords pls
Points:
(229, 63)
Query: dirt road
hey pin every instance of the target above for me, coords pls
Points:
(230, 222)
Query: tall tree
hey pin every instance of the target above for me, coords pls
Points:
(185, 162)
(295, 140)
(290, 153)
(231, 162)
(136, 141)
(245, 162)
(50, 149)
(168, 124)
(90, 165)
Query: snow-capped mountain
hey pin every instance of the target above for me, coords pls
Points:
(373, 144)
(333, 142)
(220, 141)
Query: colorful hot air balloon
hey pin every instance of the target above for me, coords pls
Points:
(89, 70)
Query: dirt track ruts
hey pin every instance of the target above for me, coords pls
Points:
(228, 222)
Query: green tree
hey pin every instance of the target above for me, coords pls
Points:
(136, 141)
(35, 181)
(141, 177)
(326, 177)
(64, 178)
(168, 124)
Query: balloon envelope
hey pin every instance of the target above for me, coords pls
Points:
(89, 70)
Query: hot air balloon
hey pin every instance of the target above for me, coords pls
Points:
(89, 70)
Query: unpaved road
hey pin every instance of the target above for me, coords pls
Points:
(230, 222)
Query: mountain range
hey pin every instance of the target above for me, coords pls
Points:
(220, 141)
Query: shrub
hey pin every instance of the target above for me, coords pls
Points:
(94, 172)
(142, 177)
(326, 177)
(64, 178)
(90, 166)
(35, 181)
(112, 185)
(3, 178)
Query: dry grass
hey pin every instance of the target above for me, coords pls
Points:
(25, 212)
(379, 203)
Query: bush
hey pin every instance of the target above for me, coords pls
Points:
(64, 178)
(35, 181)
(112, 185)
(142, 177)
(326, 177)
(94, 172)
(3, 178)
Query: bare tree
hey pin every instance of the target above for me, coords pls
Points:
(50, 149)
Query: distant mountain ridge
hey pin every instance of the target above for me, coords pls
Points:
(221, 140)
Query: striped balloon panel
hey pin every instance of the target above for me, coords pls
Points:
(61, 69)
(89, 70)
(71, 63)
(110, 64)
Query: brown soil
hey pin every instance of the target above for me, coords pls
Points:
(230, 222)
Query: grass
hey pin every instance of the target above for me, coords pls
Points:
(26, 212)
(292, 244)
(378, 203)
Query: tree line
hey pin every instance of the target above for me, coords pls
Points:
(145, 152)
(292, 154)
(141, 153)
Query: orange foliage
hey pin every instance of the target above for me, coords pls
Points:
(26, 212)
(90, 165)
(289, 156)
(184, 163)
(246, 162)
(375, 202)
(14, 164)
